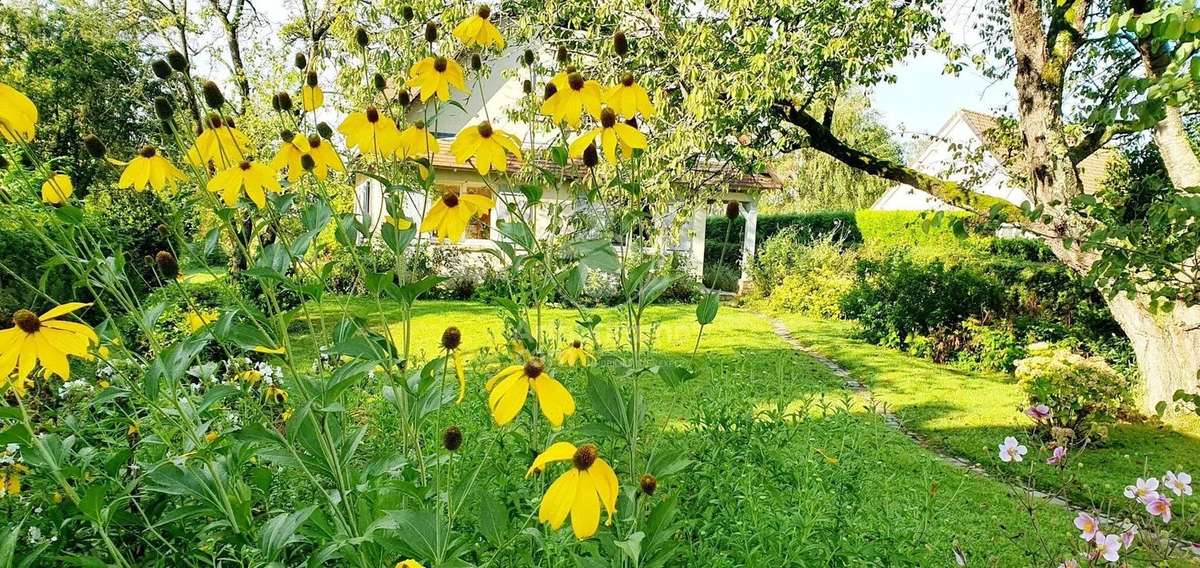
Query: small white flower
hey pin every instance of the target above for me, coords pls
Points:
(1180, 483)
(1012, 451)
(1143, 490)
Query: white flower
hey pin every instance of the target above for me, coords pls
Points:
(1108, 546)
(1180, 483)
(1012, 451)
(1144, 490)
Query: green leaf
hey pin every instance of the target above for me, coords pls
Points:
(493, 519)
(281, 531)
(69, 214)
(706, 310)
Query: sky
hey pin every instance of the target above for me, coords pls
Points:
(923, 97)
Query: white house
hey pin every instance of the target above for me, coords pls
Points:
(502, 91)
(965, 134)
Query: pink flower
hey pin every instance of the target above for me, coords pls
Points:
(1144, 490)
(1107, 546)
(1059, 455)
(1038, 412)
(1127, 536)
(1088, 524)
(1012, 451)
(1180, 483)
(1160, 506)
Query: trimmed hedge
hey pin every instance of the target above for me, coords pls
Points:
(913, 229)
(810, 226)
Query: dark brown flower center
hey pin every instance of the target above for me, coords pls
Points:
(214, 120)
(311, 79)
(550, 90)
(627, 80)
(244, 165)
(608, 118)
(584, 457)
(534, 368)
(576, 344)
(314, 141)
(147, 151)
(440, 64)
(450, 199)
(372, 115)
(27, 321)
(419, 125)
(485, 130)
(452, 337)
(484, 12)
(575, 80)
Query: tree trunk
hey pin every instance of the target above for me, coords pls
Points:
(1167, 346)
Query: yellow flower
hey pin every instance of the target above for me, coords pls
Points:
(199, 320)
(510, 387)
(575, 355)
(251, 376)
(211, 437)
(133, 429)
(477, 30)
(18, 115)
(322, 153)
(486, 145)
(434, 75)
(269, 350)
(251, 176)
(10, 481)
(289, 156)
(400, 223)
(372, 133)
(275, 394)
(629, 98)
(462, 378)
(57, 189)
(312, 97)
(572, 95)
(220, 145)
(580, 491)
(611, 133)
(287, 415)
(409, 564)
(44, 339)
(152, 169)
(452, 213)
(417, 141)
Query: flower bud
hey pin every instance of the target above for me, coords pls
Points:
(177, 60)
(561, 55)
(476, 62)
(163, 230)
(452, 439)
(380, 82)
(168, 266)
(212, 95)
(94, 146)
(407, 13)
(361, 37)
(648, 484)
(527, 86)
(324, 130)
(285, 102)
(431, 32)
(300, 61)
(163, 109)
(731, 210)
(311, 79)
(404, 99)
(620, 44)
(527, 57)
(451, 338)
(591, 157)
(161, 68)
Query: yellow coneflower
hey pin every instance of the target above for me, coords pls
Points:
(575, 355)
(409, 564)
(151, 169)
(580, 491)
(434, 76)
(417, 141)
(289, 156)
(311, 95)
(252, 177)
(477, 30)
(251, 376)
(322, 153)
(57, 189)
(573, 94)
(486, 145)
(628, 98)
(197, 321)
(611, 133)
(44, 339)
(374, 134)
(275, 394)
(10, 479)
(449, 217)
(220, 145)
(510, 387)
(18, 115)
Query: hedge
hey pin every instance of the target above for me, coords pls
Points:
(841, 224)
(914, 229)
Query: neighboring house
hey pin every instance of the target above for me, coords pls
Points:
(966, 134)
(502, 91)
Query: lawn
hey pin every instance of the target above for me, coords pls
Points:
(967, 413)
(786, 467)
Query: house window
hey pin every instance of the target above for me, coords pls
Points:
(480, 227)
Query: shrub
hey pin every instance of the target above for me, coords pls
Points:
(722, 277)
(789, 253)
(808, 227)
(1084, 394)
(816, 293)
(994, 347)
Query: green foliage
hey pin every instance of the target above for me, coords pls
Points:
(805, 277)
(136, 216)
(805, 227)
(924, 233)
(1084, 393)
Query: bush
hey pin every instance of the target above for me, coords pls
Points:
(722, 277)
(917, 233)
(790, 252)
(1084, 394)
(134, 216)
(817, 294)
(808, 227)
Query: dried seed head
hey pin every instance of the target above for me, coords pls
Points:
(27, 321)
(275, 102)
(484, 12)
(608, 118)
(451, 338)
(163, 109)
(527, 57)
(307, 162)
(161, 68)
(732, 209)
(485, 129)
(177, 60)
(561, 54)
(431, 32)
(527, 86)
(575, 81)
(325, 130)
(450, 200)
(212, 95)
(648, 484)
(620, 44)
(314, 141)
(549, 91)
(94, 146)
(584, 457)
(147, 151)
(300, 61)
(407, 13)
(591, 158)
(168, 266)
(285, 102)
(476, 62)
(380, 82)
(534, 368)
(361, 37)
(311, 79)
(452, 439)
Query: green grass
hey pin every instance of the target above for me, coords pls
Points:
(968, 413)
(787, 468)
